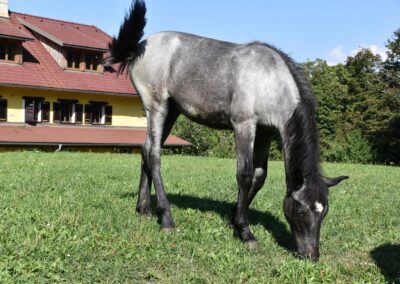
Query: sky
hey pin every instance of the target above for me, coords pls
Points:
(306, 29)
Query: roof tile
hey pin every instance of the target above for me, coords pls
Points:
(9, 30)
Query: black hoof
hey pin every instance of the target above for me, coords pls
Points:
(253, 244)
(146, 211)
(167, 229)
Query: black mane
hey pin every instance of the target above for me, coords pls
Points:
(301, 137)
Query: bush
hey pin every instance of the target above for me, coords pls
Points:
(211, 142)
(205, 141)
(353, 148)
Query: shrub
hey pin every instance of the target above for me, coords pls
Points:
(352, 148)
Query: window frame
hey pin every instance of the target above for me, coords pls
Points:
(16, 51)
(102, 107)
(73, 106)
(38, 110)
(84, 60)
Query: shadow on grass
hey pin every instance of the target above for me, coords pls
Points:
(271, 223)
(387, 258)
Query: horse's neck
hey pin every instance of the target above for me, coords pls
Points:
(301, 149)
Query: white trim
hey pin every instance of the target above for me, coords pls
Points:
(39, 116)
(103, 114)
(73, 117)
(23, 110)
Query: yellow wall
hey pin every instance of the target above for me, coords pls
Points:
(127, 110)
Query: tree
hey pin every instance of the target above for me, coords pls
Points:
(388, 139)
(329, 86)
(392, 63)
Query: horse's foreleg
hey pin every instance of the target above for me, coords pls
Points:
(244, 136)
(260, 162)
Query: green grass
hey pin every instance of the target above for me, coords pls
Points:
(70, 217)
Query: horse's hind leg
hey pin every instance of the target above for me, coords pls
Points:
(244, 136)
(143, 203)
(161, 119)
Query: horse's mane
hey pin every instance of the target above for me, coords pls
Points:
(301, 135)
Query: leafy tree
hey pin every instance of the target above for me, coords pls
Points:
(392, 63)
(388, 138)
(329, 86)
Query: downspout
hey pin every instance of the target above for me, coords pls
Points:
(59, 148)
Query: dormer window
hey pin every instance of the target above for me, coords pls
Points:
(84, 60)
(93, 60)
(73, 59)
(10, 51)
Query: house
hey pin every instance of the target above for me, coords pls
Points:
(56, 93)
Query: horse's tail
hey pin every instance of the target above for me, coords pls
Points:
(126, 48)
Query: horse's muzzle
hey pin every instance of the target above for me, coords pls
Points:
(309, 253)
(307, 249)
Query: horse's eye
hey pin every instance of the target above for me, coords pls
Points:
(301, 212)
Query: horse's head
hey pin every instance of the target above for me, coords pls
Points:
(305, 213)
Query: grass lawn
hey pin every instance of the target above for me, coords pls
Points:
(69, 217)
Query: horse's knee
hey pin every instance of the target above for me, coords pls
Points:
(259, 178)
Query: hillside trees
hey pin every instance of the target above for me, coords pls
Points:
(388, 138)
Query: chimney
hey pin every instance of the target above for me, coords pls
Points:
(4, 9)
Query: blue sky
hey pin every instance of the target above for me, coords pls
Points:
(307, 29)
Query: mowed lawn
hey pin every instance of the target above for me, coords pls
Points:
(70, 217)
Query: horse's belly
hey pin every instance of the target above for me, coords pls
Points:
(206, 114)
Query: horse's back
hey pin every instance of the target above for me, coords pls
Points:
(214, 81)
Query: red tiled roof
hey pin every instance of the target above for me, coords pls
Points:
(7, 29)
(77, 136)
(39, 69)
(66, 33)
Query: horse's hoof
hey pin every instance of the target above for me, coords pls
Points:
(252, 244)
(168, 229)
(144, 211)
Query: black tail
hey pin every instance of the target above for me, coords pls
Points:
(126, 48)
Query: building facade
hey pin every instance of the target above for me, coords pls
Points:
(54, 88)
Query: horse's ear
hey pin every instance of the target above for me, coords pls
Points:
(334, 181)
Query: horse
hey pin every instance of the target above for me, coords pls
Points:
(250, 89)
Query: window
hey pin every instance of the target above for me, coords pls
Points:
(67, 111)
(45, 111)
(10, 51)
(73, 59)
(98, 113)
(36, 110)
(3, 110)
(91, 61)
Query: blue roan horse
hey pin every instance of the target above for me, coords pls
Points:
(248, 88)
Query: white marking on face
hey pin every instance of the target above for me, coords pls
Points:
(318, 207)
